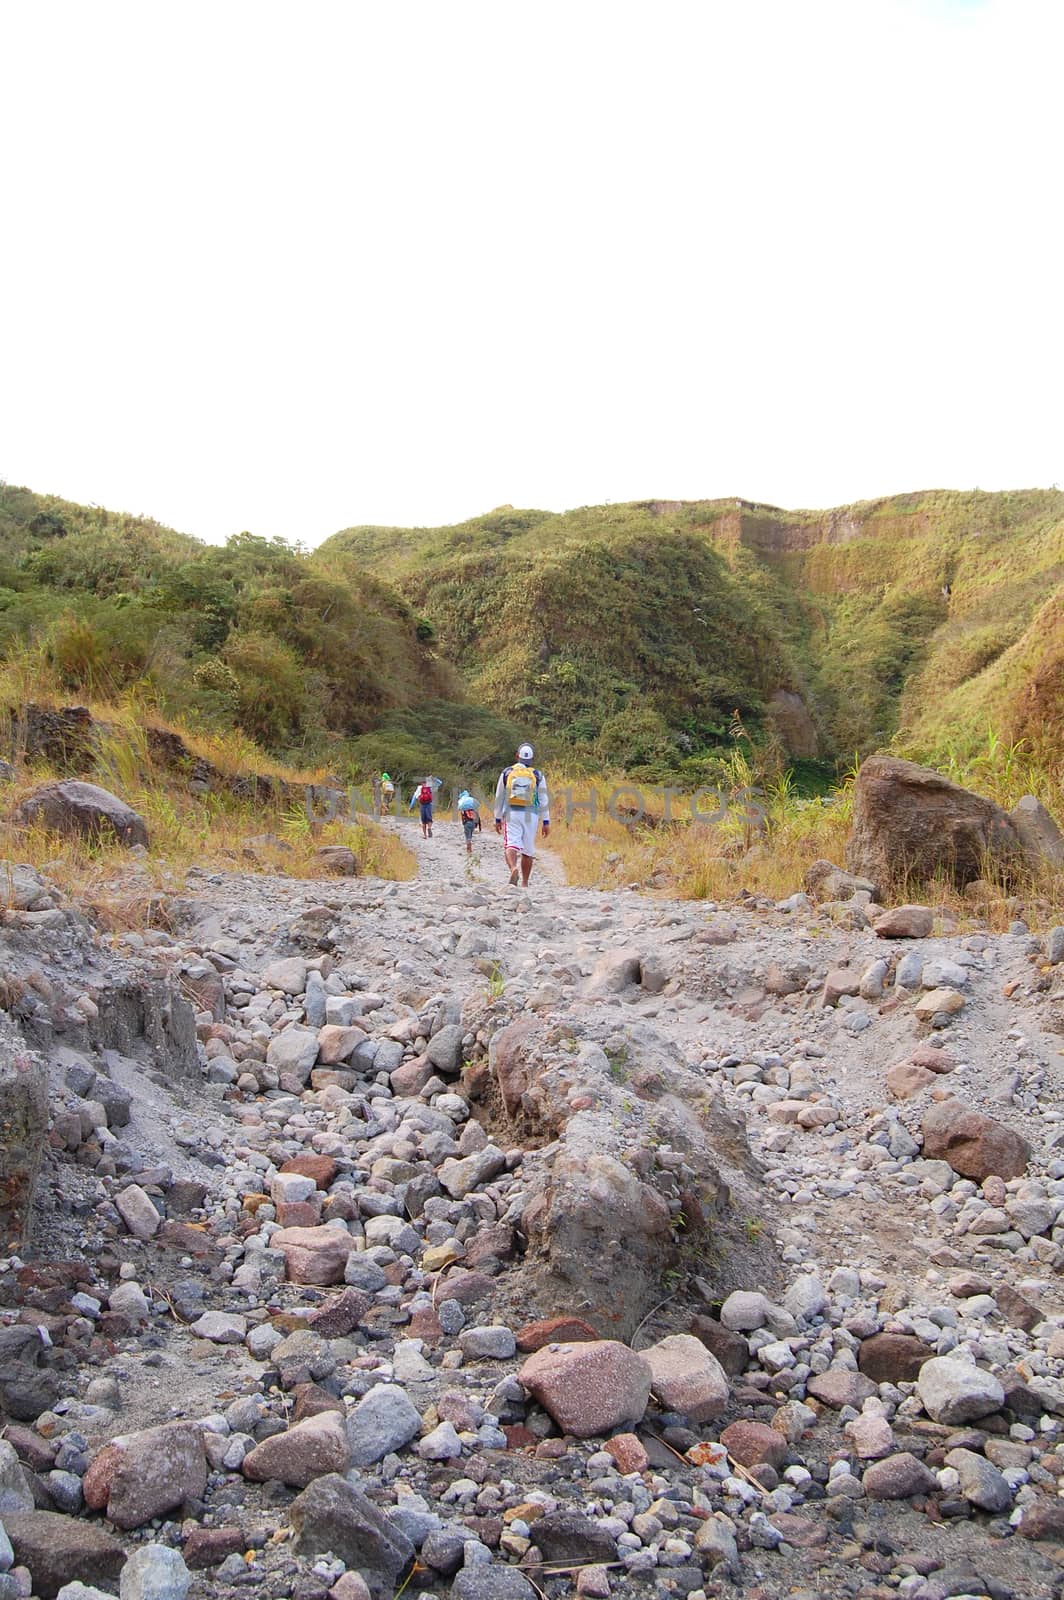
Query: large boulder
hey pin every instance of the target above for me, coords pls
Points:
(972, 1143)
(331, 1516)
(953, 1391)
(307, 1450)
(142, 1475)
(513, 1060)
(74, 807)
(316, 1255)
(911, 822)
(592, 1387)
(26, 1386)
(59, 1549)
(687, 1377)
(604, 1217)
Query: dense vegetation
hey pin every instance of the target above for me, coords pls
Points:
(633, 633)
(640, 637)
(249, 635)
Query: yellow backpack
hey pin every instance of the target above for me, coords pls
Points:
(521, 785)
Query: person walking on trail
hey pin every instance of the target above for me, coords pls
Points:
(387, 792)
(521, 804)
(469, 815)
(422, 797)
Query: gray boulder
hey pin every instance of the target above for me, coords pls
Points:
(954, 1391)
(74, 807)
(332, 1515)
(909, 821)
(383, 1421)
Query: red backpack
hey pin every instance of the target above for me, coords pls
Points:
(424, 795)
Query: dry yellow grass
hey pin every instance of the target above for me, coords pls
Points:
(722, 860)
(216, 832)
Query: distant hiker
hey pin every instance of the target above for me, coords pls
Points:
(469, 813)
(422, 797)
(521, 804)
(387, 792)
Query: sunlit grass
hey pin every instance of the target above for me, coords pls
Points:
(213, 831)
(769, 856)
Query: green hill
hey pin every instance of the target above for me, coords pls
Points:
(249, 635)
(640, 628)
(637, 636)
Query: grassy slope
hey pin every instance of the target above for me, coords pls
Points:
(893, 653)
(638, 627)
(250, 636)
(576, 616)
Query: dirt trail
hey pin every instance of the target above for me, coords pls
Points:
(443, 859)
(738, 994)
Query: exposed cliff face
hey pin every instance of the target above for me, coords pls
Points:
(67, 1000)
(896, 615)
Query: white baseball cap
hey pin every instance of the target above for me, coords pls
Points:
(525, 752)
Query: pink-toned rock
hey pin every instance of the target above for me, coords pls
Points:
(322, 1169)
(906, 1079)
(148, 1473)
(926, 1055)
(512, 1055)
(593, 1581)
(58, 1550)
(305, 1451)
(801, 1532)
(299, 1213)
(838, 1387)
(208, 1547)
(588, 1388)
(840, 981)
(411, 1077)
(628, 1452)
(96, 1484)
(754, 1444)
(905, 922)
(350, 1586)
(137, 1211)
(687, 1377)
(972, 1143)
(898, 1477)
(1043, 1519)
(872, 1437)
(314, 1255)
(424, 1324)
(554, 1330)
(340, 1315)
(336, 1044)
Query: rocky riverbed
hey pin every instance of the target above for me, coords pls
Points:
(441, 1236)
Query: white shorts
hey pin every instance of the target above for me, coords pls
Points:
(519, 831)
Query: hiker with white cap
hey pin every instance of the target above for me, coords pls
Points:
(521, 804)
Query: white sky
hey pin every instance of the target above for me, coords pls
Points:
(290, 267)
